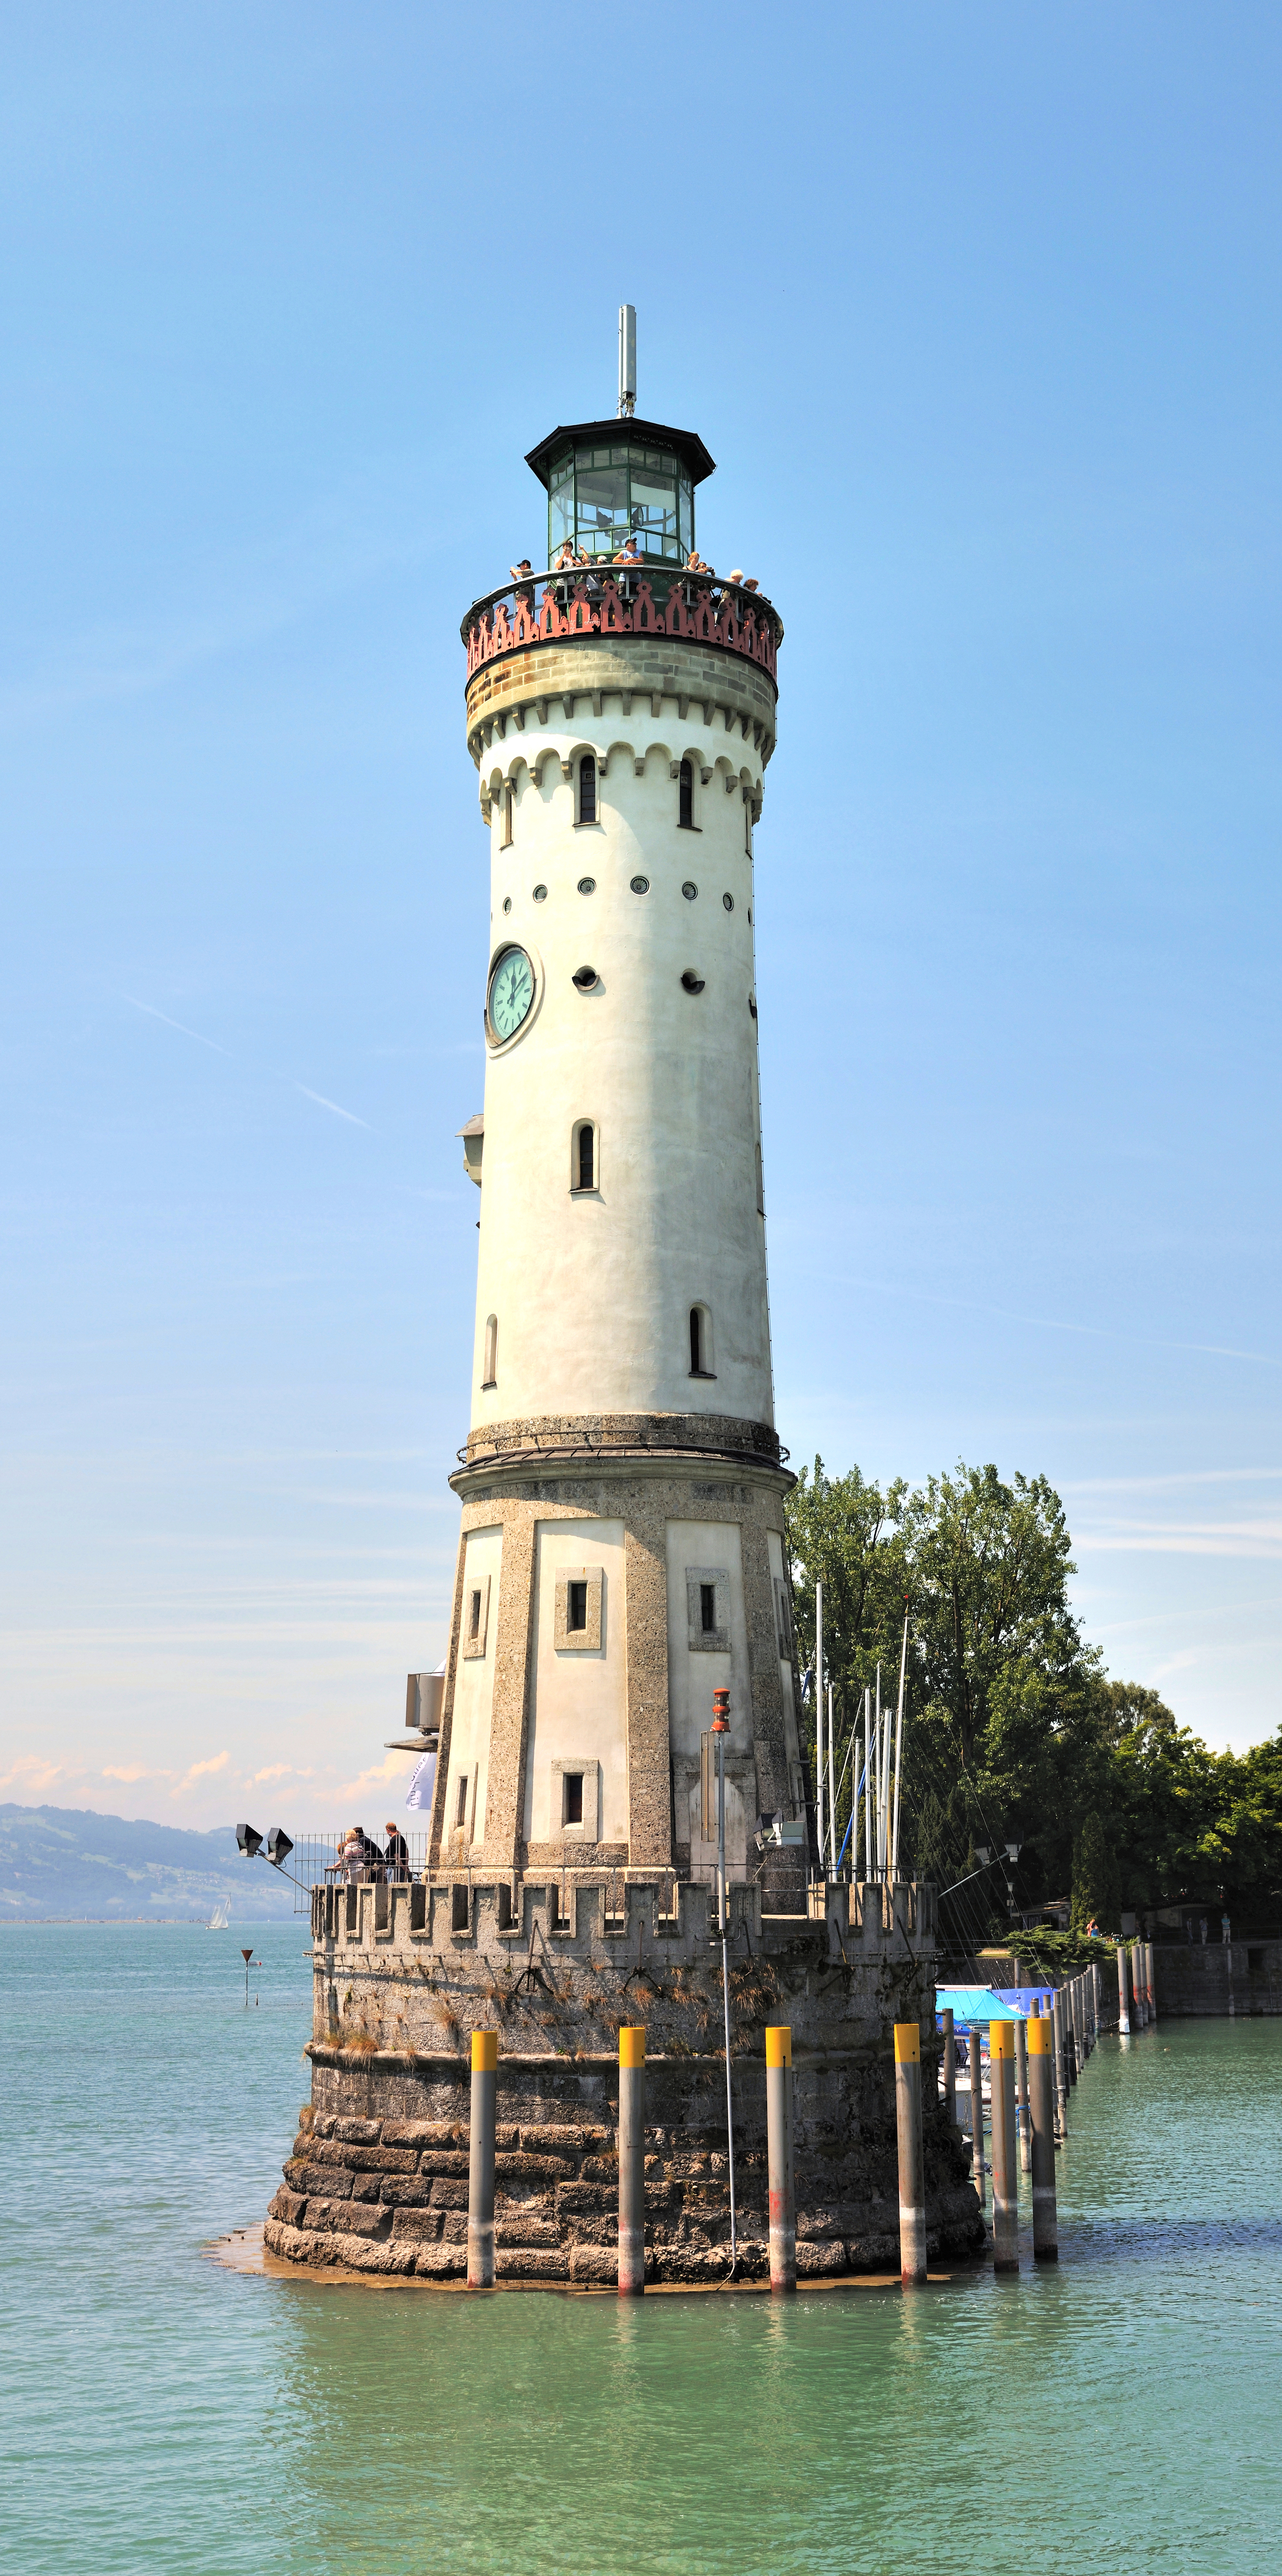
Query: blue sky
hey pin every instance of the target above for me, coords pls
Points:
(976, 307)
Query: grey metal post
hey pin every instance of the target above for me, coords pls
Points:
(480, 2168)
(1123, 2001)
(912, 2182)
(782, 2190)
(976, 2117)
(1001, 2080)
(950, 2062)
(1097, 1998)
(1041, 2099)
(1021, 2084)
(632, 2160)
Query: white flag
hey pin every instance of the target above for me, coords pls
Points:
(419, 1793)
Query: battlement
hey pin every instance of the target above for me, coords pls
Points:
(579, 1915)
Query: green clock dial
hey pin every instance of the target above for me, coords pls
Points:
(511, 992)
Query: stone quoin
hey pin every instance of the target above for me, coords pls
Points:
(622, 1550)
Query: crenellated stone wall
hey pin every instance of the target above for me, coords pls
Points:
(378, 2177)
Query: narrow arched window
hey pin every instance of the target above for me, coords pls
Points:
(747, 828)
(491, 1351)
(586, 1159)
(685, 798)
(587, 789)
(701, 1364)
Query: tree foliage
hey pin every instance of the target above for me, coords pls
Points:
(1016, 1734)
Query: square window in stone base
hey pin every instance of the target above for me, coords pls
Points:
(708, 1609)
(579, 1605)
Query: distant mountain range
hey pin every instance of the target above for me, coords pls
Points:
(60, 1863)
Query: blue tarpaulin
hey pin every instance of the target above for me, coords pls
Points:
(978, 2005)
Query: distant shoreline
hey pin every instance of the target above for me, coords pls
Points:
(136, 1922)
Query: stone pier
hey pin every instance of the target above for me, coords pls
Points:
(377, 2181)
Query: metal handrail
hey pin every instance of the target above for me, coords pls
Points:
(626, 578)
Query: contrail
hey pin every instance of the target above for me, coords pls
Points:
(183, 1031)
(323, 1103)
(180, 1025)
(1053, 1324)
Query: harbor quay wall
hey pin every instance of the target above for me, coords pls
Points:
(1224, 1980)
(378, 2177)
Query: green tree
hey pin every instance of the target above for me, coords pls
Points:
(1095, 1882)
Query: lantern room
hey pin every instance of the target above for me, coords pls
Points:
(611, 480)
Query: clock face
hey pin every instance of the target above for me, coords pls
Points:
(511, 992)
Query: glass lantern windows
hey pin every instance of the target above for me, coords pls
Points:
(598, 497)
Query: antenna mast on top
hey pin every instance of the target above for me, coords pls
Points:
(627, 360)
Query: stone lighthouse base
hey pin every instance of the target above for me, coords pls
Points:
(377, 2181)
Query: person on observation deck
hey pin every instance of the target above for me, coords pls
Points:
(396, 1854)
(627, 553)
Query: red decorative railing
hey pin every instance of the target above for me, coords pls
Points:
(622, 603)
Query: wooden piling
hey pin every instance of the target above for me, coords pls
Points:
(976, 2116)
(1001, 2079)
(1041, 2099)
(1123, 1999)
(912, 2179)
(1151, 1955)
(779, 2153)
(1021, 2090)
(1061, 2063)
(950, 2062)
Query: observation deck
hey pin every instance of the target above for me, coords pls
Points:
(642, 600)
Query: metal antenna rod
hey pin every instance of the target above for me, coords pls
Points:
(627, 361)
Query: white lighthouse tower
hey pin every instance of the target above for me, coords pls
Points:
(622, 1481)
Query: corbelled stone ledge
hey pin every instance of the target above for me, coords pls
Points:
(547, 1440)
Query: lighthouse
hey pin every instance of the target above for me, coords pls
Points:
(622, 1571)
(622, 1551)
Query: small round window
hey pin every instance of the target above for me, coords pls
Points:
(640, 885)
(540, 894)
(689, 890)
(587, 885)
(728, 901)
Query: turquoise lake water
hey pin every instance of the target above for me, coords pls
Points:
(160, 2413)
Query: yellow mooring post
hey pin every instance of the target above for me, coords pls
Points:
(912, 2181)
(1001, 2112)
(632, 2160)
(1041, 2104)
(480, 2167)
(783, 2205)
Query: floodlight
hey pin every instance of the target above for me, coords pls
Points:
(250, 1842)
(279, 1846)
(983, 1855)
